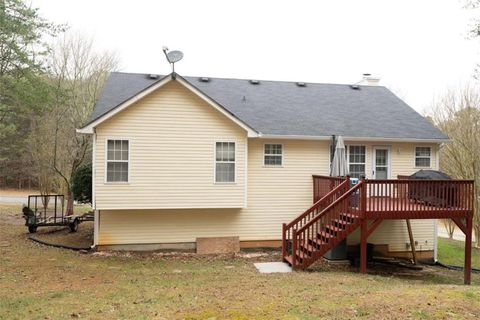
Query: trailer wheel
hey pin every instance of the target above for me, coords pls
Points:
(32, 229)
(74, 225)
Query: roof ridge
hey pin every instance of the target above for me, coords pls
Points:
(136, 73)
(261, 80)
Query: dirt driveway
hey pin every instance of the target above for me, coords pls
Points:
(15, 195)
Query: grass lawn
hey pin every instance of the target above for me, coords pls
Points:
(39, 282)
(452, 252)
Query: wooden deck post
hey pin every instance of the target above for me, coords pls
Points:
(363, 198)
(468, 251)
(363, 246)
(284, 241)
(294, 249)
(412, 242)
(363, 227)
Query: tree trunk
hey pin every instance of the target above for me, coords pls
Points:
(449, 226)
(69, 202)
(477, 235)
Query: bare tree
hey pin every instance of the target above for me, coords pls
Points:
(457, 114)
(77, 73)
(40, 148)
(449, 226)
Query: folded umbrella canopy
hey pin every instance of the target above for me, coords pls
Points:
(339, 163)
(338, 169)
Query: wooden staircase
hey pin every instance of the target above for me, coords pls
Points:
(338, 210)
(320, 228)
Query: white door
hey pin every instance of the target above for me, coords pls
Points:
(381, 162)
(381, 167)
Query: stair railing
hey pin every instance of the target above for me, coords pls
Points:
(288, 230)
(324, 184)
(350, 202)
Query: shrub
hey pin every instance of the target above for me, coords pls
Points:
(82, 184)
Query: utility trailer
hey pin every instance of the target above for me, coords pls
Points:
(48, 211)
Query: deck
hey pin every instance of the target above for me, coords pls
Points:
(407, 199)
(394, 208)
(342, 208)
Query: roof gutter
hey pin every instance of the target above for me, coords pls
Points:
(419, 140)
(293, 137)
(347, 138)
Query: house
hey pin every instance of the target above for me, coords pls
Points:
(180, 158)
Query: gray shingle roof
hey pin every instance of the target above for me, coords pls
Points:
(284, 108)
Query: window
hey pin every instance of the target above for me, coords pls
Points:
(423, 156)
(273, 154)
(117, 161)
(356, 161)
(225, 162)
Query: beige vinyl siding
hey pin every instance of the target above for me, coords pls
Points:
(394, 232)
(275, 195)
(172, 135)
(278, 194)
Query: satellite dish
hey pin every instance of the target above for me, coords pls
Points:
(174, 56)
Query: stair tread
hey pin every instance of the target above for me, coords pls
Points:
(309, 247)
(340, 221)
(302, 254)
(314, 248)
(349, 215)
(319, 242)
(326, 234)
(334, 228)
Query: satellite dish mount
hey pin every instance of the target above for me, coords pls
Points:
(173, 57)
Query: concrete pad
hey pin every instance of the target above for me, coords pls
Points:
(273, 267)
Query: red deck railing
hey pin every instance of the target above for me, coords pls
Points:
(419, 198)
(324, 184)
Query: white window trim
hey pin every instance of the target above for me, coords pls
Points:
(106, 160)
(415, 157)
(281, 155)
(215, 162)
(347, 147)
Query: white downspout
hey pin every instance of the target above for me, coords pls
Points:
(94, 205)
(435, 229)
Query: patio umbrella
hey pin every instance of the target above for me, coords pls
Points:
(338, 169)
(339, 162)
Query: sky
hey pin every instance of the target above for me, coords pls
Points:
(419, 49)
